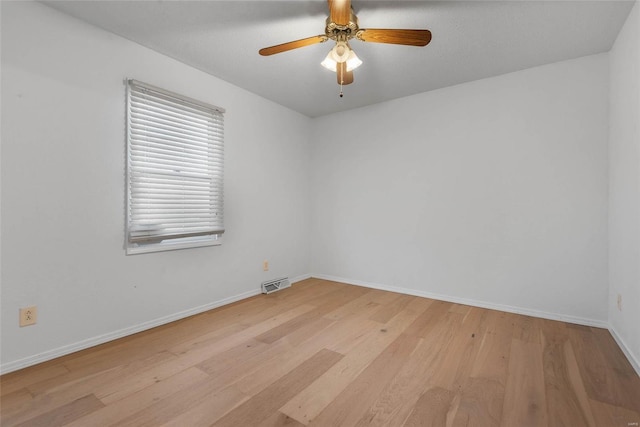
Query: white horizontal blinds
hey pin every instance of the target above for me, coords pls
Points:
(175, 161)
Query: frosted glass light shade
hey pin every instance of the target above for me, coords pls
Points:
(353, 62)
(330, 63)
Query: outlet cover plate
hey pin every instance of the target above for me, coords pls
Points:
(28, 316)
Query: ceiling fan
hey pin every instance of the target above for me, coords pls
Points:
(342, 26)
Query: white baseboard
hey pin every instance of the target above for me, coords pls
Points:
(625, 349)
(101, 339)
(300, 278)
(91, 342)
(471, 302)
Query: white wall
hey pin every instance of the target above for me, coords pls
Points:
(624, 186)
(63, 190)
(493, 192)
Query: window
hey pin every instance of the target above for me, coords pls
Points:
(175, 153)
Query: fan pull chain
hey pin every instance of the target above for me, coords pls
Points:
(341, 81)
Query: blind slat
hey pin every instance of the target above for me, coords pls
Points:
(157, 165)
(154, 144)
(202, 134)
(153, 149)
(176, 121)
(141, 136)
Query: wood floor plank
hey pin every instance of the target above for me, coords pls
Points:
(16, 399)
(35, 374)
(605, 378)
(315, 328)
(211, 408)
(279, 419)
(478, 403)
(387, 311)
(68, 392)
(127, 351)
(423, 324)
(567, 400)
(525, 399)
(460, 309)
(270, 370)
(324, 353)
(232, 371)
(349, 331)
(613, 415)
(526, 328)
(305, 406)
(381, 297)
(220, 362)
(356, 305)
(577, 384)
(627, 382)
(352, 402)
(200, 405)
(117, 411)
(64, 414)
(286, 328)
(432, 408)
(463, 350)
(204, 343)
(481, 398)
(266, 402)
(122, 388)
(492, 359)
(419, 373)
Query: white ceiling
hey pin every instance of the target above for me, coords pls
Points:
(471, 40)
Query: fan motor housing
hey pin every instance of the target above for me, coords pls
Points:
(346, 32)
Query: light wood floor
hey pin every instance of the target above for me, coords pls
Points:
(330, 354)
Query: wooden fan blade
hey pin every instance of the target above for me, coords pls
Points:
(348, 78)
(340, 11)
(292, 45)
(405, 37)
(344, 77)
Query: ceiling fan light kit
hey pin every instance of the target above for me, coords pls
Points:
(331, 63)
(342, 26)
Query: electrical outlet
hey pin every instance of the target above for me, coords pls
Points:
(619, 302)
(265, 265)
(28, 316)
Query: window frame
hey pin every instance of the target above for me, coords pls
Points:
(213, 238)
